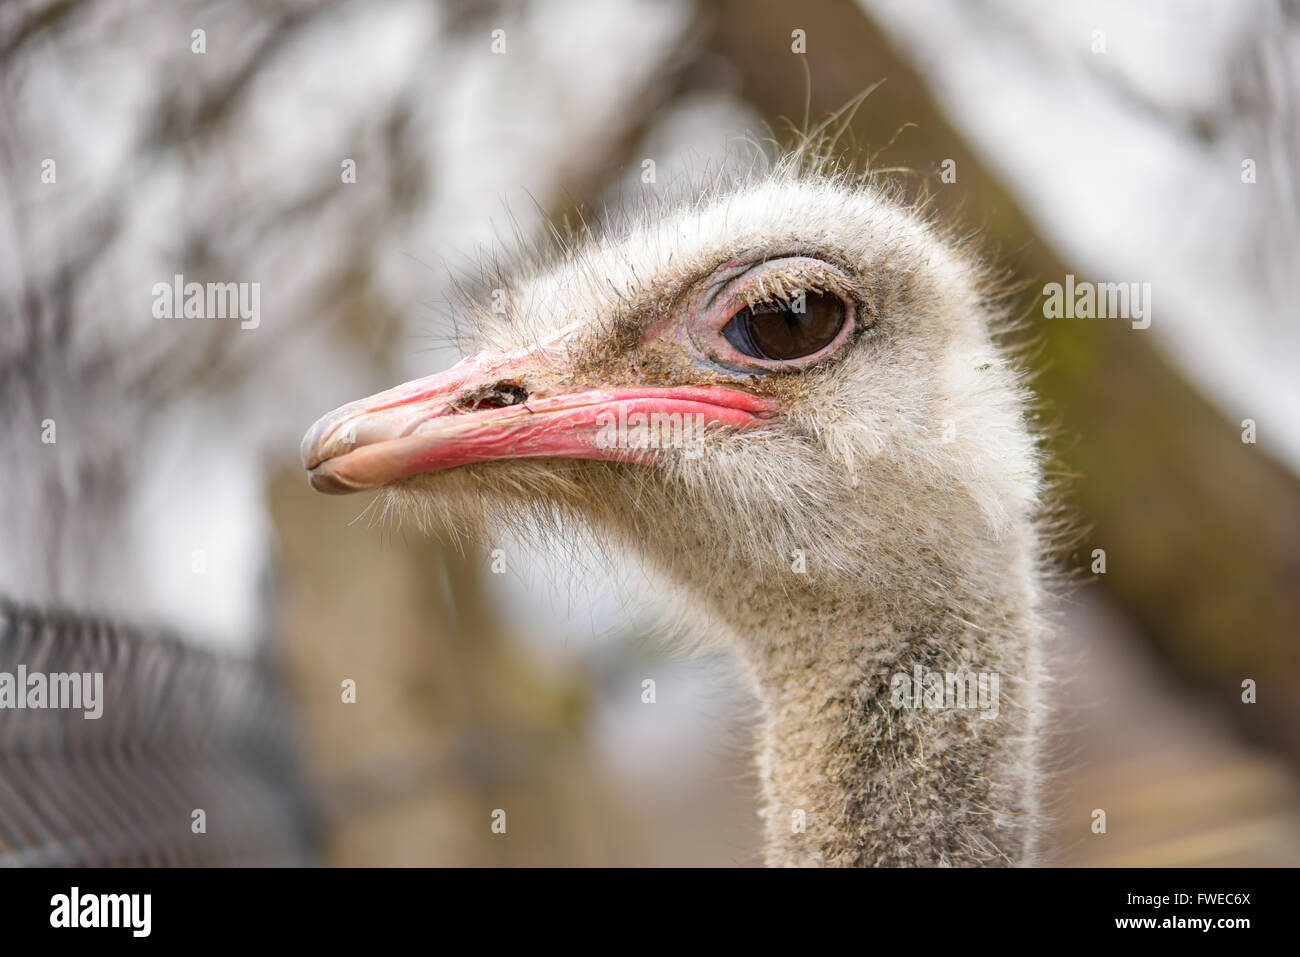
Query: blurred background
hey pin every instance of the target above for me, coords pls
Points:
(357, 159)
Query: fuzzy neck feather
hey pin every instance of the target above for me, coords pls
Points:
(853, 772)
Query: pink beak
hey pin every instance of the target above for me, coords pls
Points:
(480, 411)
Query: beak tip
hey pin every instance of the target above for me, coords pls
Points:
(324, 480)
(312, 450)
(309, 450)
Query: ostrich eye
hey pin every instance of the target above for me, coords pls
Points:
(780, 330)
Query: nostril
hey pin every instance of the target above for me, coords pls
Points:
(498, 395)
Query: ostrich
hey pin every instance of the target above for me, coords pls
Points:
(861, 508)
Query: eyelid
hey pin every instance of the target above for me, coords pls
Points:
(748, 290)
(723, 278)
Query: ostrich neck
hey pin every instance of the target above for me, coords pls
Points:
(895, 732)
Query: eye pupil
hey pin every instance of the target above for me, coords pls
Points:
(779, 331)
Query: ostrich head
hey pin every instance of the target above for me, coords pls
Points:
(789, 396)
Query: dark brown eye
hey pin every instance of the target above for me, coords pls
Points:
(783, 330)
